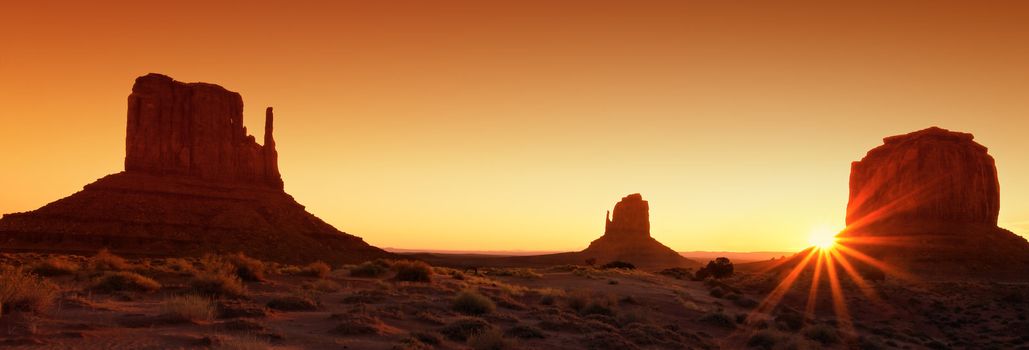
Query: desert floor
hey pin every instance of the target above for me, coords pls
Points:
(105, 302)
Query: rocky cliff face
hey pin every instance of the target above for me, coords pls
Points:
(932, 175)
(631, 217)
(627, 238)
(196, 130)
(928, 202)
(194, 183)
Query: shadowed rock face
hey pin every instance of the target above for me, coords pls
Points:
(195, 130)
(928, 202)
(631, 217)
(932, 175)
(194, 183)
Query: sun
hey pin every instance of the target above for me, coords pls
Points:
(823, 237)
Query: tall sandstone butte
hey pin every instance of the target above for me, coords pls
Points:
(627, 238)
(929, 201)
(194, 182)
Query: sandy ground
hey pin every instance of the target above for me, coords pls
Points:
(561, 307)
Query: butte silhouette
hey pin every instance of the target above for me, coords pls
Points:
(194, 182)
(928, 201)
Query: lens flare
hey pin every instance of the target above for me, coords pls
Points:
(823, 237)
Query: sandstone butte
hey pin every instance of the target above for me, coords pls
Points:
(928, 201)
(194, 182)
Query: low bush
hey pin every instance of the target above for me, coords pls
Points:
(677, 273)
(219, 283)
(293, 303)
(325, 286)
(619, 265)
(463, 328)
(718, 268)
(316, 269)
(113, 281)
(247, 268)
(822, 333)
(55, 266)
(188, 308)
(370, 269)
(719, 319)
(717, 292)
(105, 261)
(413, 271)
(763, 339)
(180, 266)
(489, 339)
(525, 332)
(470, 302)
(22, 291)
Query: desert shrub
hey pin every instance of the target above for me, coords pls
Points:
(822, 333)
(180, 266)
(599, 306)
(677, 273)
(790, 321)
(619, 265)
(351, 324)
(718, 268)
(470, 302)
(325, 286)
(370, 269)
(489, 339)
(719, 319)
(219, 283)
(525, 332)
(745, 302)
(463, 328)
(112, 281)
(514, 272)
(105, 261)
(762, 339)
(247, 268)
(717, 292)
(316, 269)
(22, 291)
(55, 266)
(578, 300)
(294, 302)
(244, 342)
(187, 308)
(413, 271)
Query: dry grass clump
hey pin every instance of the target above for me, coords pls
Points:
(764, 339)
(112, 281)
(525, 332)
(489, 339)
(293, 302)
(244, 342)
(219, 283)
(22, 291)
(180, 266)
(470, 302)
(412, 271)
(247, 268)
(357, 324)
(514, 272)
(325, 286)
(55, 266)
(463, 328)
(188, 308)
(105, 261)
(822, 333)
(370, 269)
(719, 319)
(316, 269)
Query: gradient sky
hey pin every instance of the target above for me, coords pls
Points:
(514, 125)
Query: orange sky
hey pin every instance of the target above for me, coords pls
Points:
(502, 125)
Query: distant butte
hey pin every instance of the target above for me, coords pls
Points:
(194, 182)
(627, 238)
(929, 201)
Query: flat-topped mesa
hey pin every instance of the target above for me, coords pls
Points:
(631, 217)
(195, 130)
(928, 176)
